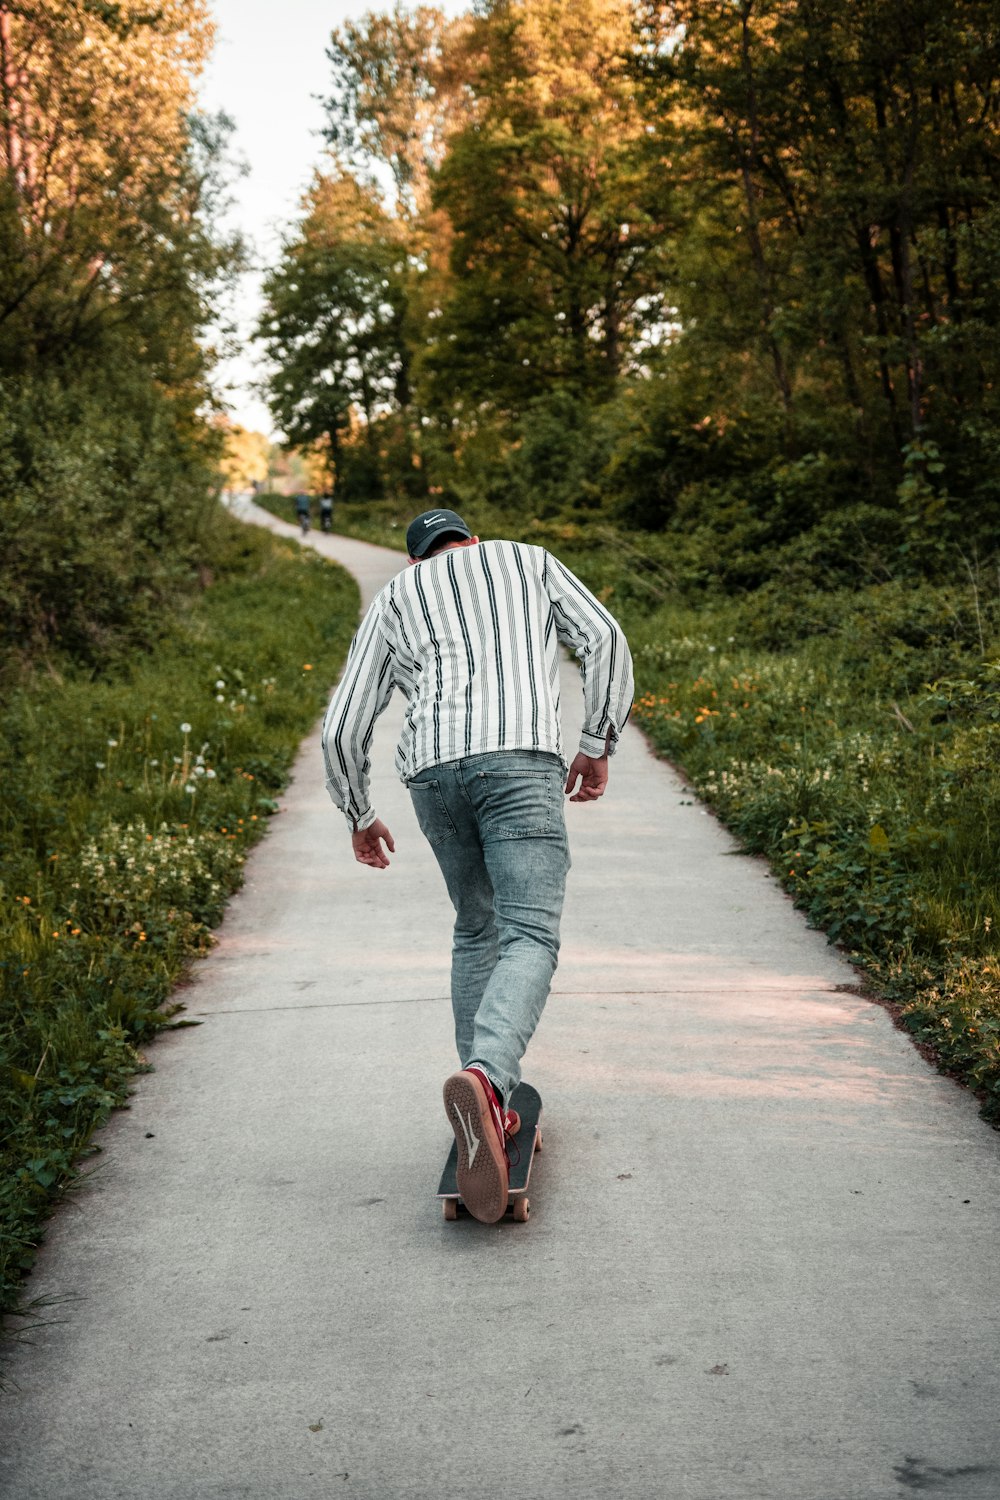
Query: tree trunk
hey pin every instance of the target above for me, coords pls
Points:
(749, 161)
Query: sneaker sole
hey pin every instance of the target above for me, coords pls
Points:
(482, 1180)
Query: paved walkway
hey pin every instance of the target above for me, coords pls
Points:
(762, 1259)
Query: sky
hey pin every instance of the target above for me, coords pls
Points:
(268, 67)
(269, 63)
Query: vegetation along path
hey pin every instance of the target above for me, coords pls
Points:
(760, 1264)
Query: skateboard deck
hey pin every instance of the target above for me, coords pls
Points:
(527, 1101)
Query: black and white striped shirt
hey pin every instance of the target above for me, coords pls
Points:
(471, 637)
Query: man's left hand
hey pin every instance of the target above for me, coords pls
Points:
(367, 843)
(589, 774)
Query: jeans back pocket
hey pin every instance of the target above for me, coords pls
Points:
(433, 816)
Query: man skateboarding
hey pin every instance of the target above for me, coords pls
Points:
(470, 633)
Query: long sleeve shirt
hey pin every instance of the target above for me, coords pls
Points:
(471, 638)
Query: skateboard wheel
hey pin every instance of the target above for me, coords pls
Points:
(450, 1209)
(522, 1208)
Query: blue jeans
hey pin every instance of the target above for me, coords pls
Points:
(497, 828)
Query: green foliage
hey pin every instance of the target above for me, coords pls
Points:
(107, 510)
(129, 805)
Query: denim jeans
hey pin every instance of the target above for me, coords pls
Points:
(497, 828)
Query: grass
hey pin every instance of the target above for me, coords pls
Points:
(850, 736)
(129, 805)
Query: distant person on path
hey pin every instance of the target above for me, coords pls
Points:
(470, 635)
(326, 512)
(302, 511)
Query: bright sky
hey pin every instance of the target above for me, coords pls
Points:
(269, 65)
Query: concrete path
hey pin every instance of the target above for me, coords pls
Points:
(762, 1259)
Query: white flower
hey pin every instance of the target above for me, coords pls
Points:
(199, 770)
(177, 760)
(154, 762)
(210, 774)
(185, 729)
(113, 744)
(220, 683)
(220, 698)
(99, 764)
(190, 789)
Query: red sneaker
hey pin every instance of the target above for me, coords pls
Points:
(475, 1115)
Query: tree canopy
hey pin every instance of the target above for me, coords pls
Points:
(741, 258)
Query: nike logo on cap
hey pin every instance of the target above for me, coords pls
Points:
(431, 519)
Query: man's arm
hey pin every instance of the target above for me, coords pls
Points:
(362, 693)
(596, 638)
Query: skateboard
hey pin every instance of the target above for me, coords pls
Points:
(527, 1101)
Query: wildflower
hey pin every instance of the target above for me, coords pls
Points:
(210, 774)
(190, 789)
(307, 666)
(99, 764)
(113, 744)
(220, 697)
(154, 762)
(185, 729)
(220, 683)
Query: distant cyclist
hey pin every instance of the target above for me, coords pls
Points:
(326, 512)
(302, 511)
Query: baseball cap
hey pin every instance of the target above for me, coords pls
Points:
(424, 531)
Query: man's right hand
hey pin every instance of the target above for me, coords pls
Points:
(591, 773)
(367, 843)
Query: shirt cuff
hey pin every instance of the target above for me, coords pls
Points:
(594, 745)
(365, 820)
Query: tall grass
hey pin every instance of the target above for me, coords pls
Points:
(129, 804)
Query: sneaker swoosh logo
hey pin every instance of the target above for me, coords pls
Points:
(432, 519)
(472, 1141)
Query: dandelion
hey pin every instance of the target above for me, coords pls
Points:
(113, 744)
(220, 697)
(190, 789)
(199, 770)
(210, 774)
(220, 684)
(154, 762)
(99, 764)
(185, 729)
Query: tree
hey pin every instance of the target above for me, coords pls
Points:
(332, 324)
(558, 250)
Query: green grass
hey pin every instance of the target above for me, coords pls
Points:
(850, 736)
(129, 805)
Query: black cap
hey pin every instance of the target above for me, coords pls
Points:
(426, 529)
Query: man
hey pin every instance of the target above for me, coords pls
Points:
(470, 633)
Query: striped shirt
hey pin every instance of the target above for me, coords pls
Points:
(471, 637)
